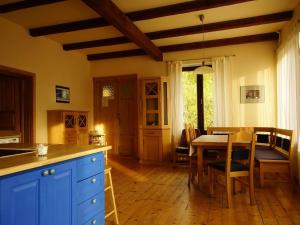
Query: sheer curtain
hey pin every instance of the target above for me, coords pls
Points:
(288, 85)
(175, 75)
(222, 91)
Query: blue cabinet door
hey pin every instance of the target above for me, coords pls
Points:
(45, 196)
(58, 203)
(20, 199)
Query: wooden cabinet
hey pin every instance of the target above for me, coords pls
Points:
(67, 193)
(67, 127)
(154, 129)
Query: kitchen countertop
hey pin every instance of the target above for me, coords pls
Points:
(56, 153)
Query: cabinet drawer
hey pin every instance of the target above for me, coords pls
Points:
(97, 219)
(89, 165)
(152, 132)
(90, 207)
(90, 187)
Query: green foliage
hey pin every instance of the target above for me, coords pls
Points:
(190, 99)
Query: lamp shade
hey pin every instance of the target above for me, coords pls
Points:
(203, 69)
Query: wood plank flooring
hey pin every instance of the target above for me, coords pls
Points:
(159, 195)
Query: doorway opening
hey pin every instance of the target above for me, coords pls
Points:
(197, 98)
(17, 103)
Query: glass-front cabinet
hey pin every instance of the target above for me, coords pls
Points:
(155, 102)
(154, 130)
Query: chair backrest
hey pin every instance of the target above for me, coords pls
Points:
(283, 142)
(264, 136)
(241, 137)
(190, 133)
(222, 130)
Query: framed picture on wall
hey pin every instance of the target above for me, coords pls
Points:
(62, 94)
(253, 94)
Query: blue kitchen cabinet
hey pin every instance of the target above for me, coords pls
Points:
(66, 193)
(44, 196)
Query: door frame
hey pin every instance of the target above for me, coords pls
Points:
(31, 77)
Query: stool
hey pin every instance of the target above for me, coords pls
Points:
(110, 188)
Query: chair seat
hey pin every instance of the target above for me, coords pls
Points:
(235, 166)
(268, 154)
(182, 150)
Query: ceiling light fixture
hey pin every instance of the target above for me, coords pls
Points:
(203, 69)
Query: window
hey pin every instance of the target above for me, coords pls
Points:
(198, 99)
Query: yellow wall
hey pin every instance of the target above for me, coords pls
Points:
(52, 66)
(253, 64)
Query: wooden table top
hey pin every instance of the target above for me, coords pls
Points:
(213, 140)
(56, 153)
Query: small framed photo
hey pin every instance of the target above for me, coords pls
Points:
(62, 94)
(253, 94)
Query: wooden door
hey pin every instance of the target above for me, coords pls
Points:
(115, 109)
(16, 102)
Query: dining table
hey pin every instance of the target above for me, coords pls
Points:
(203, 142)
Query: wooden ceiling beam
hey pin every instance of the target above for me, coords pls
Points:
(108, 10)
(190, 46)
(224, 25)
(151, 13)
(25, 4)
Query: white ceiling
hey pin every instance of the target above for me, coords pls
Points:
(74, 10)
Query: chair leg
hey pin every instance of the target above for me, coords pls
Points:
(190, 171)
(111, 189)
(261, 175)
(211, 181)
(233, 186)
(228, 191)
(251, 190)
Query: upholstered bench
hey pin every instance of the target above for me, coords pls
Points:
(274, 148)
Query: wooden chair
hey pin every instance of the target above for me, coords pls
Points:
(109, 187)
(234, 170)
(181, 154)
(190, 136)
(275, 153)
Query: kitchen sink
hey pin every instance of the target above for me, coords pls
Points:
(14, 152)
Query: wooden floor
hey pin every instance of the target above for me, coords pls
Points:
(152, 195)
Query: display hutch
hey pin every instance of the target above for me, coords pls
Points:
(67, 127)
(154, 129)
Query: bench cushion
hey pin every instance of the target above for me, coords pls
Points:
(268, 154)
(235, 166)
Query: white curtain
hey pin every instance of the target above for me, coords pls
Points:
(175, 75)
(222, 91)
(288, 85)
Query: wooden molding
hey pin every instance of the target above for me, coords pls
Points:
(221, 42)
(118, 54)
(190, 46)
(231, 24)
(168, 10)
(25, 4)
(119, 20)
